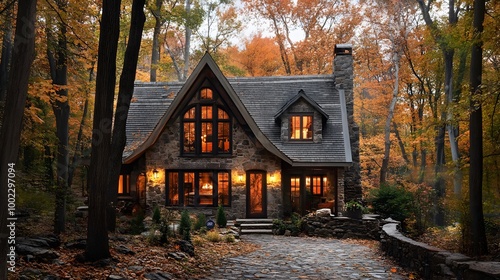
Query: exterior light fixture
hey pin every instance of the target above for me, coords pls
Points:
(155, 174)
(240, 178)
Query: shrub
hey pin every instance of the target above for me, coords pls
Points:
(353, 206)
(136, 224)
(198, 241)
(294, 225)
(156, 215)
(185, 226)
(393, 201)
(201, 220)
(164, 230)
(221, 217)
(229, 238)
(153, 238)
(34, 201)
(214, 236)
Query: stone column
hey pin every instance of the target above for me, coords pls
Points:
(344, 79)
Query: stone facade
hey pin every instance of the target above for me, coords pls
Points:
(248, 154)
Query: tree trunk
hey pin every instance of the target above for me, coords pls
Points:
(125, 93)
(155, 53)
(400, 143)
(76, 155)
(97, 235)
(387, 128)
(478, 246)
(6, 53)
(61, 110)
(187, 46)
(17, 90)
(439, 183)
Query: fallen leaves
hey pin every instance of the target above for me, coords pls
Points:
(145, 260)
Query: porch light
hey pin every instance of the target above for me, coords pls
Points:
(240, 178)
(155, 174)
(271, 177)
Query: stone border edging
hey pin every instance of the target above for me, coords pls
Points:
(431, 262)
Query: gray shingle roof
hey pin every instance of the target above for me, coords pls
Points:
(150, 101)
(263, 98)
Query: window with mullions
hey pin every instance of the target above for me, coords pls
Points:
(301, 127)
(315, 184)
(206, 128)
(198, 188)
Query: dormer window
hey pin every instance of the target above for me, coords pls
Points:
(301, 127)
(301, 120)
(206, 127)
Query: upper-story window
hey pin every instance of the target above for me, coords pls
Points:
(301, 127)
(206, 127)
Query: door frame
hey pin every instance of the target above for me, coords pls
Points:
(249, 213)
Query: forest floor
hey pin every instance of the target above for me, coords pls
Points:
(145, 257)
(450, 239)
(142, 258)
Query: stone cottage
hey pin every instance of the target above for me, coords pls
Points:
(263, 147)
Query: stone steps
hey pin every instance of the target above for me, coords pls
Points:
(254, 226)
(256, 231)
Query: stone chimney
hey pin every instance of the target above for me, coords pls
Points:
(344, 80)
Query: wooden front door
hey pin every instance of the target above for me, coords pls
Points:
(256, 194)
(141, 189)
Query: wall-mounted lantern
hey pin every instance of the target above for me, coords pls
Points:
(240, 177)
(155, 174)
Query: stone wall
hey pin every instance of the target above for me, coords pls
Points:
(342, 227)
(431, 262)
(247, 155)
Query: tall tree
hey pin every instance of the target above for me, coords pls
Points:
(396, 32)
(6, 50)
(448, 123)
(448, 52)
(155, 53)
(221, 24)
(187, 44)
(478, 246)
(97, 235)
(126, 89)
(10, 133)
(57, 54)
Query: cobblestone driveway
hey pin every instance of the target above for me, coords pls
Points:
(282, 257)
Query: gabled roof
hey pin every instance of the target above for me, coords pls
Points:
(301, 95)
(257, 100)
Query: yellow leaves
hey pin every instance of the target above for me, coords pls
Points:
(33, 113)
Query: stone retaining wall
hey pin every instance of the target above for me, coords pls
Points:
(342, 227)
(432, 262)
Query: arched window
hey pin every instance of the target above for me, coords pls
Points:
(206, 127)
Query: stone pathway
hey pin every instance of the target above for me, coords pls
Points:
(281, 257)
